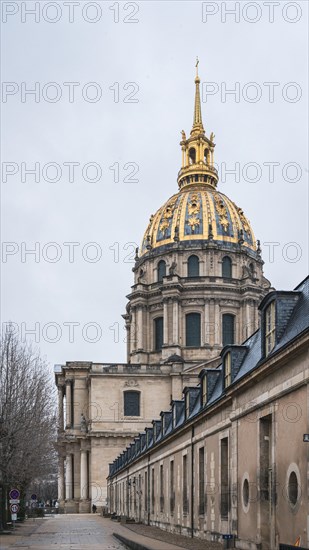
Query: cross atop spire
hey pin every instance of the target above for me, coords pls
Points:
(197, 127)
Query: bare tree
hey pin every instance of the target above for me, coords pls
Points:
(27, 414)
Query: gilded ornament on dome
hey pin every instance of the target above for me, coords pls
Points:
(164, 225)
(222, 211)
(193, 222)
(194, 204)
(243, 220)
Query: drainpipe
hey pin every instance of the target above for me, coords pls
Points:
(192, 482)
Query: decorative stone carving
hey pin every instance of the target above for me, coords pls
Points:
(131, 383)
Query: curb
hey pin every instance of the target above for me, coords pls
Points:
(131, 543)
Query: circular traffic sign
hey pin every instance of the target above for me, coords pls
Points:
(34, 497)
(14, 508)
(14, 494)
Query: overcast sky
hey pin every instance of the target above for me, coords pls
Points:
(124, 131)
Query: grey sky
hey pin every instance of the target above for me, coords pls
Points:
(157, 54)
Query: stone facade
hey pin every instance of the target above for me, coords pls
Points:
(199, 265)
(230, 457)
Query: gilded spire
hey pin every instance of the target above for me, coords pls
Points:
(197, 127)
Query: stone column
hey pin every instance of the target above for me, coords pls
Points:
(175, 323)
(140, 328)
(68, 397)
(247, 331)
(83, 475)
(133, 331)
(207, 323)
(61, 479)
(68, 478)
(165, 323)
(60, 408)
(217, 323)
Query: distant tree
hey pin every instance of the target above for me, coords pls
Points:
(27, 415)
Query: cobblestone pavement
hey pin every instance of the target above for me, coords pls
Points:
(171, 538)
(63, 532)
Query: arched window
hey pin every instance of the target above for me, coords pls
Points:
(193, 266)
(193, 329)
(227, 267)
(158, 333)
(228, 322)
(206, 156)
(131, 404)
(161, 270)
(192, 156)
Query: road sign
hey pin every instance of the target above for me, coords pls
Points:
(34, 497)
(14, 493)
(14, 501)
(14, 517)
(14, 508)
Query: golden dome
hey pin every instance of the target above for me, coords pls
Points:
(196, 214)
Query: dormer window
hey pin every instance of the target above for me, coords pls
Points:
(174, 416)
(270, 327)
(204, 390)
(187, 405)
(227, 370)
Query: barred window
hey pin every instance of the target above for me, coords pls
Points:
(131, 403)
(201, 481)
(185, 502)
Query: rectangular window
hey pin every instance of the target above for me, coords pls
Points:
(228, 323)
(270, 327)
(131, 403)
(201, 470)
(152, 491)
(146, 493)
(193, 329)
(227, 370)
(185, 503)
(161, 488)
(172, 491)
(265, 457)
(224, 478)
(158, 333)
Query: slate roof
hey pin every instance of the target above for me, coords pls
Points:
(296, 324)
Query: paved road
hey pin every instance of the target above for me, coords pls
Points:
(66, 532)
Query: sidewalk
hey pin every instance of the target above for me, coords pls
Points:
(144, 537)
(24, 529)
